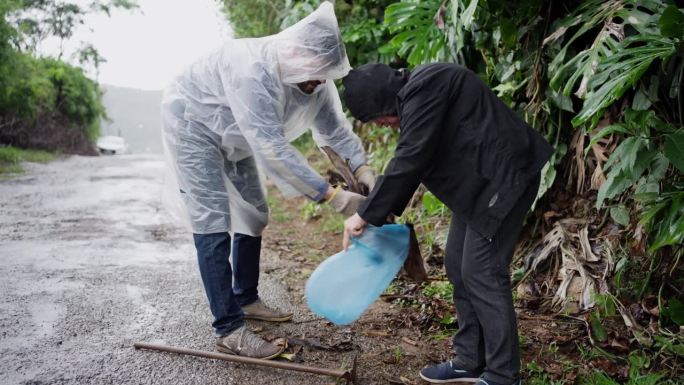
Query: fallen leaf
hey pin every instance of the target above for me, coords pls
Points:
(287, 356)
(308, 342)
(551, 242)
(620, 344)
(606, 365)
(586, 246)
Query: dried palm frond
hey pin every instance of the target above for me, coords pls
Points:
(582, 270)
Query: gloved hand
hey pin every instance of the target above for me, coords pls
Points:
(366, 176)
(345, 202)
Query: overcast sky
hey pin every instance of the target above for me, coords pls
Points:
(147, 47)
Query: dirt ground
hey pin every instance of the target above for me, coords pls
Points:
(91, 263)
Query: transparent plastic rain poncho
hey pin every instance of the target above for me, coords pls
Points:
(240, 107)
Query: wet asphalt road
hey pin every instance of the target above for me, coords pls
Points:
(89, 263)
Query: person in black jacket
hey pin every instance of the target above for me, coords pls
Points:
(479, 158)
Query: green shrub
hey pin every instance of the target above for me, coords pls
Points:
(11, 157)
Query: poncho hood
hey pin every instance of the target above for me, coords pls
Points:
(312, 49)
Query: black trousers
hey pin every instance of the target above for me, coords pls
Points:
(487, 339)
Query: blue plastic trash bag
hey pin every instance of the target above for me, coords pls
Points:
(344, 285)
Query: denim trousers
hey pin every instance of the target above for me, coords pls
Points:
(228, 288)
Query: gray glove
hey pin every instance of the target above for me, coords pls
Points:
(346, 202)
(366, 176)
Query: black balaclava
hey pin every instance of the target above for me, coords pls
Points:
(370, 91)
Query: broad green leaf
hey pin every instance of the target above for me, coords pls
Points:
(416, 37)
(616, 183)
(658, 167)
(677, 349)
(625, 154)
(621, 71)
(641, 101)
(604, 71)
(605, 131)
(548, 177)
(620, 215)
(647, 379)
(669, 228)
(670, 232)
(675, 310)
(644, 158)
(640, 123)
(674, 149)
(560, 100)
(646, 191)
(672, 22)
(431, 204)
(509, 33)
(646, 96)
(505, 88)
(448, 319)
(651, 212)
(597, 328)
(588, 16)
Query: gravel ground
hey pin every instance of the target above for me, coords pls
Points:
(90, 263)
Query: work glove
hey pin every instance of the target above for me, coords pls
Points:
(365, 176)
(345, 202)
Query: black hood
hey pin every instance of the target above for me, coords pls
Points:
(370, 91)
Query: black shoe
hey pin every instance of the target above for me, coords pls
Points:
(447, 372)
(490, 382)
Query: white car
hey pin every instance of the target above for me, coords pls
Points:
(111, 145)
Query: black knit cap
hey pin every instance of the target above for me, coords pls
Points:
(370, 91)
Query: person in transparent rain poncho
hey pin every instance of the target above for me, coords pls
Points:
(231, 115)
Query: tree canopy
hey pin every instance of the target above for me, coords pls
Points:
(46, 103)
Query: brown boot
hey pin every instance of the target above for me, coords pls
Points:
(258, 310)
(243, 342)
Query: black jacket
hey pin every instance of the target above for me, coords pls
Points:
(457, 138)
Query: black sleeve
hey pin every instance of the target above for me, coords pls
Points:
(422, 114)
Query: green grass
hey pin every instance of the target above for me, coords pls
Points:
(11, 158)
(278, 213)
(439, 289)
(329, 221)
(333, 223)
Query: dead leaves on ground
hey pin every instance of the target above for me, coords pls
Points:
(579, 267)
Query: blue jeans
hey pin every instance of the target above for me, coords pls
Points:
(227, 295)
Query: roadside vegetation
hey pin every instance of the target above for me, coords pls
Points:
(597, 276)
(46, 103)
(12, 157)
